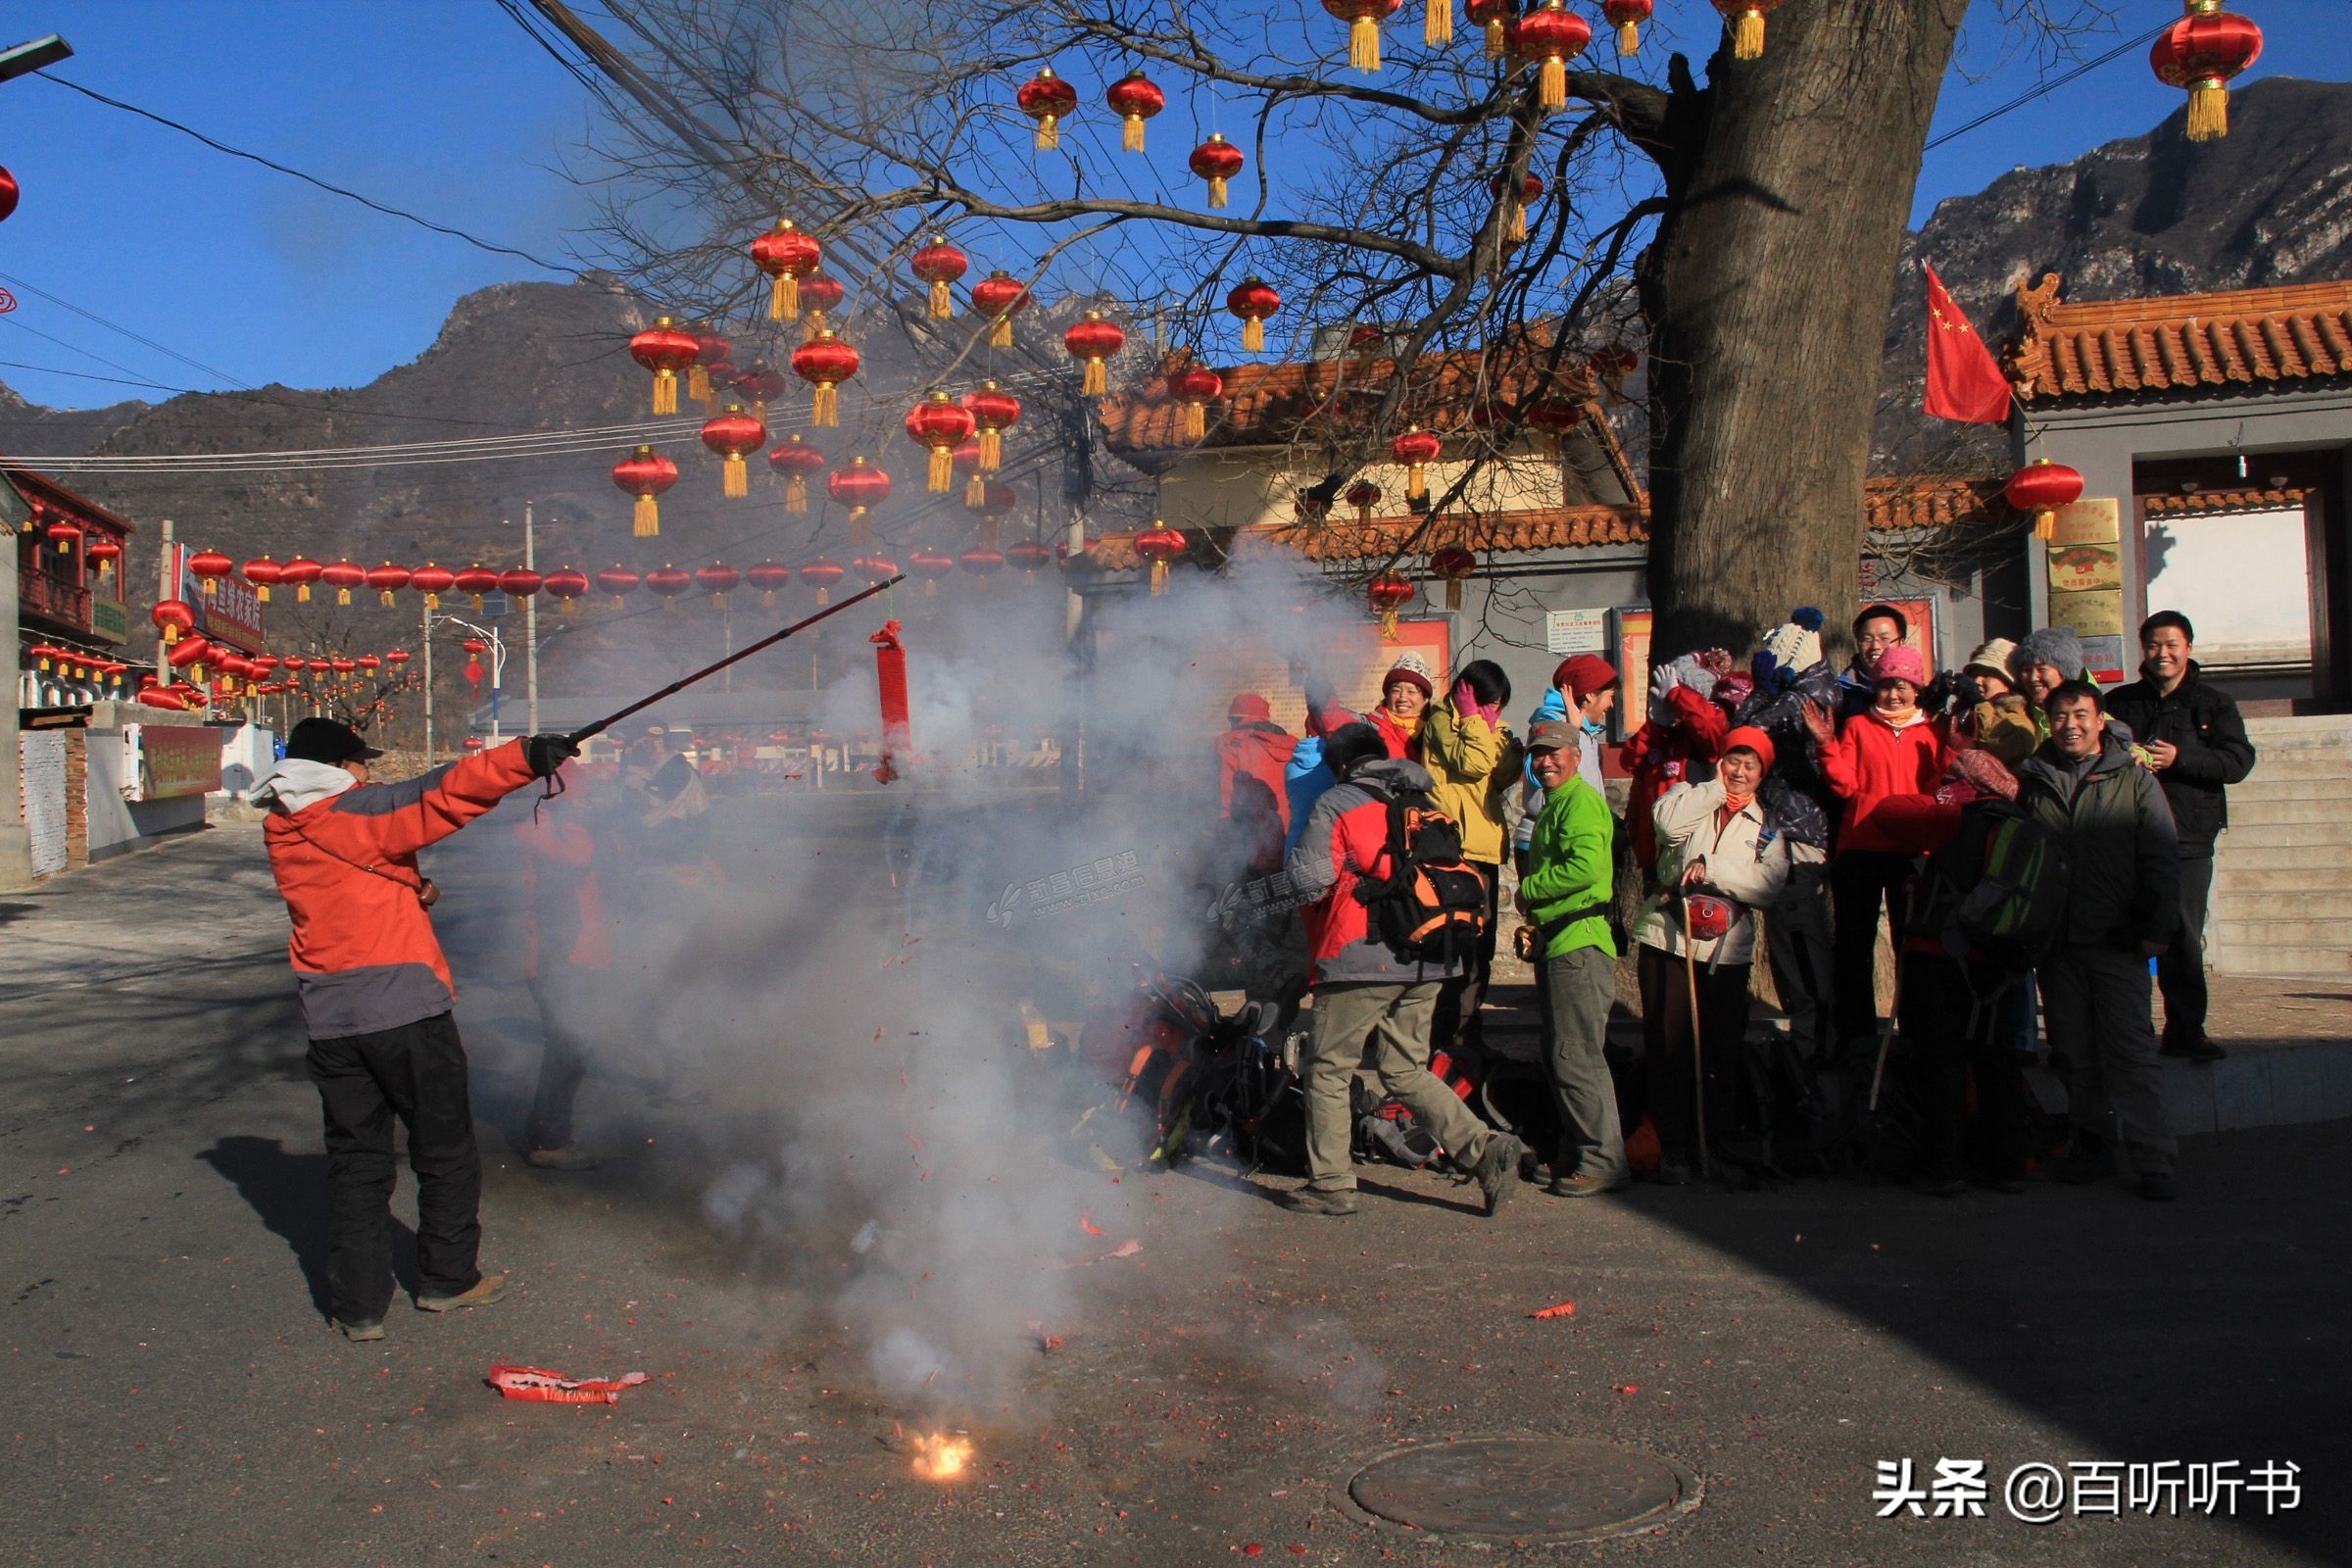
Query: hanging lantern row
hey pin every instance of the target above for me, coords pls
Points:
(172, 616)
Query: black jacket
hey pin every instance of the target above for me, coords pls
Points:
(2123, 866)
(2202, 722)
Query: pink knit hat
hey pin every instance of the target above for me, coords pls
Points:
(1902, 662)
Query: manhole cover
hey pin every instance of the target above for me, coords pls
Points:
(1522, 1489)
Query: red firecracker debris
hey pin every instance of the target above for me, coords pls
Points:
(554, 1388)
(1556, 1309)
(1047, 1341)
(1087, 1224)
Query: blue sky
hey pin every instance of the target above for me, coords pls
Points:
(446, 107)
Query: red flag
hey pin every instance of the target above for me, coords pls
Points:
(1963, 381)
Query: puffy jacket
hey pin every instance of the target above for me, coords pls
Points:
(345, 857)
(1571, 866)
(1344, 842)
(2202, 724)
(564, 920)
(1475, 764)
(1662, 755)
(2123, 858)
(1304, 778)
(1869, 760)
(1257, 752)
(1745, 862)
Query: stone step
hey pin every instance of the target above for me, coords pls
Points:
(2316, 809)
(2284, 835)
(2239, 855)
(2268, 882)
(2300, 963)
(2316, 898)
(2321, 730)
(2262, 947)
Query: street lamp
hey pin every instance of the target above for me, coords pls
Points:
(26, 58)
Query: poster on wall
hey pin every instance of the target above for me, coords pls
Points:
(43, 758)
(1577, 631)
(174, 760)
(1631, 640)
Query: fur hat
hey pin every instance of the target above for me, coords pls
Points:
(2050, 645)
(1992, 658)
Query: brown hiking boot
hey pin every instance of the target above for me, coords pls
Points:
(488, 1290)
(1496, 1170)
(1583, 1186)
(358, 1333)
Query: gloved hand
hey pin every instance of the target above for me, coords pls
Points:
(547, 753)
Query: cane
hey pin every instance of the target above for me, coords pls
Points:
(1698, 1063)
(1894, 1002)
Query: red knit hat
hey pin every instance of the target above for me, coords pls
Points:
(1584, 675)
(1250, 709)
(1754, 740)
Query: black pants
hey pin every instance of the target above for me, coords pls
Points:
(2180, 970)
(1797, 941)
(1457, 1027)
(416, 1072)
(1860, 882)
(1666, 1045)
(1962, 1034)
(563, 1061)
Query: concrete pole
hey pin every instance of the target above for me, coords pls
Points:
(427, 648)
(530, 629)
(167, 587)
(16, 844)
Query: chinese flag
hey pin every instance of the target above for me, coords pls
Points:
(1963, 381)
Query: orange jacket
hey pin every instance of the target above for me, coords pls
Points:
(1259, 751)
(561, 898)
(364, 952)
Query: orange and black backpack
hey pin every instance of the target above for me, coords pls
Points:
(1432, 906)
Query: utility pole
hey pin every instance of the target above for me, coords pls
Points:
(428, 683)
(530, 628)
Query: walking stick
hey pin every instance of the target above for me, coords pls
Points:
(577, 736)
(1894, 1003)
(1698, 1063)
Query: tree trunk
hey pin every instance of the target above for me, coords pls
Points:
(1767, 291)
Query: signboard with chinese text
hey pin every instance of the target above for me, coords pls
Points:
(1631, 639)
(175, 759)
(1577, 631)
(2094, 522)
(231, 612)
(109, 620)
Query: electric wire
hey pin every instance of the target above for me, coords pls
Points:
(2049, 86)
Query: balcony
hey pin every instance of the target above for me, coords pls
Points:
(55, 602)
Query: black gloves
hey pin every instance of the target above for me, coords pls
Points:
(547, 753)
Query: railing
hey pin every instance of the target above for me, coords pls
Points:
(60, 603)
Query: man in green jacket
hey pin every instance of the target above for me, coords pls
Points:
(1566, 895)
(2123, 907)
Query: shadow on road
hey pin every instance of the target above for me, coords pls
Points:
(288, 1191)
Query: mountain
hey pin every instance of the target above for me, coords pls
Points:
(2269, 204)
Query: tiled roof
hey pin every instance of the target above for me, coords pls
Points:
(2245, 339)
(41, 490)
(2214, 503)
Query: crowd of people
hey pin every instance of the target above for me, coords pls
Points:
(2019, 834)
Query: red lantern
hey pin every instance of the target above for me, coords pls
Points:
(158, 697)
(1626, 16)
(519, 583)
(819, 294)
(343, 666)
(1555, 35)
(387, 580)
(190, 654)
(1217, 161)
(9, 192)
(63, 535)
(1030, 557)
(861, 487)
(1453, 564)
(2041, 487)
(786, 256)
(432, 581)
(732, 434)
(618, 582)
(712, 351)
(263, 573)
(1091, 342)
(106, 552)
(797, 461)
(473, 663)
(645, 474)
(1747, 20)
(343, 576)
(565, 584)
(398, 657)
(822, 575)
(1496, 16)
(1531, 192)
(940, 423)
(1254, 301)
(940, 264)
(994, 411)
(768, 578)
(472, 743)
(875, 568)
(763, 383)
(664, 348)
(1611, 366)
(210, 566)
(991, 501)
(1159, 545)
(982, 563)
(1363, 19)
(1416, 449)
(668, 581)
(476, 580)
(42, 654)
(1388, 594)
(368, 664)
(825, 361)
(718, 580)
(1195, 387)
(999, 296)
(1363, 496)
(1049, 100)
(1134, 100)
(930, 566)
(2200, 53)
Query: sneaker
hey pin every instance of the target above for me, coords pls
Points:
(1497, 1170)
(488, 1290)
(2085, 1164)
(2157, 1186)
(1315, 1201)
(1670, 1173)
(566, 1158)
(360, 1332)
(1583, 1186)
(2201, 1050)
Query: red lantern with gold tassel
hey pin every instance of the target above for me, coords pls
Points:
(824, 361)
(768, 578)
(1437, 24)
(1049, 100)
(2199, 54)
(820, 295)
(1496, 16)
(1388, 594)
(713, 357)
(940, 264)
(432, 581)
(1195, 388)
(1363, 496)
(387, 580)
(1134, 99)
(1453, 564)
(1029, 557)
(210, 566)
(519, 583)
(1000, 297)
(668, 582)
(1531, 192)
(173, 618)
(1160, 545)
(618, 582)
(665, 349)
(477, 581)
(1416, 449)
(787, 256)
(1626, 16)
(940, 423)
(718, 580)
(1217, 161)
(2041, 487)
(1746, 18)
(824, 575)
(1254, 300)
(1551, 35)
(1363, 19)
(105, 552)
(343, 576)
(799, 462)
(982, 563)
(930, 566)
(645, 474)
(1093, 342)
(861, 487)
(301, 571)
(263, 573)
(761, 383)
(994, 411)
(731, 435)
(567, 584)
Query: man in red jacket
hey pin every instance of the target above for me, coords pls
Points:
(377, 998)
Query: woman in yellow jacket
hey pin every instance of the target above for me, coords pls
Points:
(1475, 761)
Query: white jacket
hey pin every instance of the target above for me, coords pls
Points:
(1741, 864)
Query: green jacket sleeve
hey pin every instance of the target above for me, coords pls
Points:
(1569, 859)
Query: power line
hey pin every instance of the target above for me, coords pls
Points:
(2049, 87)
(115, 326)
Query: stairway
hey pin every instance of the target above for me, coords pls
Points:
(2283, 877)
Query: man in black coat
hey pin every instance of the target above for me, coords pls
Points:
(2198, 748)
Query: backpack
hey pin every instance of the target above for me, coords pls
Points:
(1432, 908)
(1995, 892)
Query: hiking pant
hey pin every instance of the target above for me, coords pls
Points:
(2180, 969)
(1457, 1027)
(1963, 1035)
(1392, 1022)
(563, 1061)
(1666, 1044)
(1582, 986)
(1861, 881)
(416, 1072)
(1796, 938)
(2103, 1049)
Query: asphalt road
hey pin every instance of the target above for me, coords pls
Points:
(174, 1395)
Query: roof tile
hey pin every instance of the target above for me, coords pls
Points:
(2241, 339)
